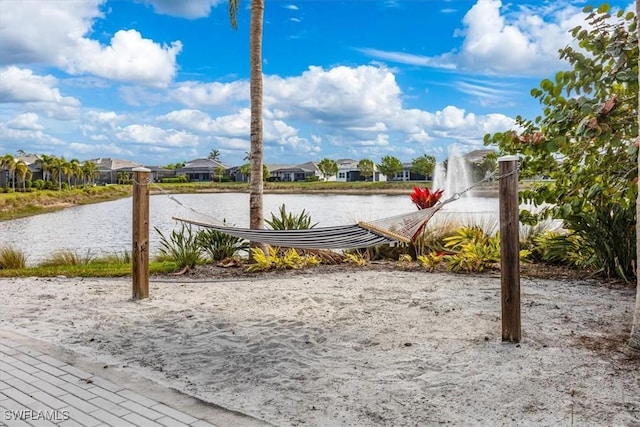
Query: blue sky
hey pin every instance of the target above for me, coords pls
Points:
(165, 81)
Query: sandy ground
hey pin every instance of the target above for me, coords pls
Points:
(365, 348)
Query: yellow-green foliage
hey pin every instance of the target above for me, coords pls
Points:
(404, 260)
(429, 261)
(354, 258)
(277, 260)
(474, 250)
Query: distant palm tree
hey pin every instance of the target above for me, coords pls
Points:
(22, 172)
(76, 171)
(8, 162)
(89, 172)
(214, 155)
(45, 162)
(56, 168)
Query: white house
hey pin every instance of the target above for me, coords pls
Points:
(348, 171)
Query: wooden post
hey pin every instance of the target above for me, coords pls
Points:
(140, 233)
(509, 248)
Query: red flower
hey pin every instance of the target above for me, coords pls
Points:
(425, 198)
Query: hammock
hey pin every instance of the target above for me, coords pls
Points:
(400, 228)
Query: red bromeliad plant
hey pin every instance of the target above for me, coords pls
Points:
(425, 198)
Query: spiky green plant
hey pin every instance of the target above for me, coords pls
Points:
(288, 221)
(181, 247)
(218, 245)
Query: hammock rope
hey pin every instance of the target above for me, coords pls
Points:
(400, 228)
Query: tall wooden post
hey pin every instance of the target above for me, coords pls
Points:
(140, 233)
(509, 248)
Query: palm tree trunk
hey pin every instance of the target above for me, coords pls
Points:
(256, 186)
(635, 329)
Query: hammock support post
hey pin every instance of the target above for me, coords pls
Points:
(140, 234)
(509, 248)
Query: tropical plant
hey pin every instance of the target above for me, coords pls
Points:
(22, 172)
(89, 172)
(274, 259)
(563, 249)
(256, 186)
(390, 166)
(423, 165)
(214, 155)
(430, 261)
(366, 168)
(181, 247)
(218, 245)
(8, 162)
(327, 168)
(584, 141)
(354, 258)
(424, 198)
(289, 221)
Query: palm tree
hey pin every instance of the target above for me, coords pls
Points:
(89, 171)
(22, 171)
(76, 171)
(256, 186)
(214, 155)
(45, 162)
(56, 168)
(8, 162)
(66, 167)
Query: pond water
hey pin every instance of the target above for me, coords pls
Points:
(105, 228)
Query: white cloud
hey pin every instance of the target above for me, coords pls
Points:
(340, 95)
(498, 40)
(25, 121)
(21, 85)
(196, 94)
(54, 32)
(184, 8)
(155, 136)
(129, 58)
(31, 141)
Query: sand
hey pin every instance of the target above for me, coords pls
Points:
(359, 348)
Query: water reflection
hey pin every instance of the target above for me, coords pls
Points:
(105, 228)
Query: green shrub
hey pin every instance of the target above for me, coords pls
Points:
(218, 245)
(12, 258)
(563, 249)
(181, 247)
(289, 221)
(38, 184)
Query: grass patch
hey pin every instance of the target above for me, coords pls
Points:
(11, 257)
(93, 269)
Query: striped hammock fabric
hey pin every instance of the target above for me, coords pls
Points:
(400, 228)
